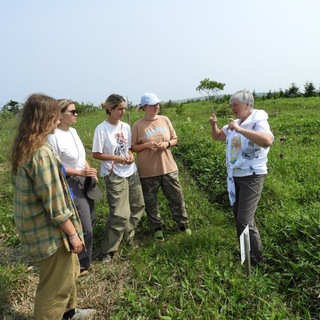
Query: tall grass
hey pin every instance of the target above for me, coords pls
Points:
(197, 277)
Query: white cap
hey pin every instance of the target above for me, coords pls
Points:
(149, 99)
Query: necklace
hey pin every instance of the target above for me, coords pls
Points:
(78, 151)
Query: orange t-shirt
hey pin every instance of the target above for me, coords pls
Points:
(154, 163)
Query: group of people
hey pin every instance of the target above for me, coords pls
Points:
(53, 211)
(132, 188)
(55, 216)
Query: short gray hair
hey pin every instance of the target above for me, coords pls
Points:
(243, 96)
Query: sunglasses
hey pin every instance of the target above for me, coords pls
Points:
(73, 111)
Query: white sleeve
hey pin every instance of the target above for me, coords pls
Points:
(52, 139)
(225, 129)
(263, 126)
(98, 140)
(129, 137)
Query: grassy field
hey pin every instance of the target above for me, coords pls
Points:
(197, 277)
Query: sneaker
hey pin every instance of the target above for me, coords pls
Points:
(107, 258)
(82, 314)
(158, 235)
(84, 272)
(186, 230)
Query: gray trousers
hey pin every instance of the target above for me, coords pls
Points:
(172, 190)
(85, 207)
(126, 207)
(248, 193)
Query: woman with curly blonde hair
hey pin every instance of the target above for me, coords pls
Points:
(45, 216)
(35, 125)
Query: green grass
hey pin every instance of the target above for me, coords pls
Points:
(197, 277)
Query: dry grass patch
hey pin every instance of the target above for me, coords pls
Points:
(101, 289)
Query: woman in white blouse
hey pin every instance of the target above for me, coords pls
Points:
(248, 140)
(68, 146)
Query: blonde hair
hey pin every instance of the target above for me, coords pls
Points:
(112, 101)
(64, 104)
(38, 119)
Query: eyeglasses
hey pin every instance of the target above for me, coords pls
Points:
(73, 111)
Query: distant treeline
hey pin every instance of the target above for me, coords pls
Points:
(13, 107)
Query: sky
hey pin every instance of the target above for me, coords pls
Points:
(86, 50)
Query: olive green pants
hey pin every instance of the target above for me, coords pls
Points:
(126, 207)
(56, 292)
(171, 188)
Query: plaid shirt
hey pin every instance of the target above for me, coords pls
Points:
(41, 203)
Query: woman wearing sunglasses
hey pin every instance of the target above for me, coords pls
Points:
(68, 146)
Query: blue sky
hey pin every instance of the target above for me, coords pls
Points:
(86, 50)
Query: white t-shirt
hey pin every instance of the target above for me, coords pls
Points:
(244, 156)
(69, 148)
(114, 140)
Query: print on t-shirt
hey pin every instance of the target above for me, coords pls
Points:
(235, 148)
(122, 146)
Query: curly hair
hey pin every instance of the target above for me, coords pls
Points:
(39, 116)
(112, 101)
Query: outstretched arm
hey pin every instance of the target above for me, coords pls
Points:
(216, 133)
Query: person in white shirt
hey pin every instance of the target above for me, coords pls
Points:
(112, 145)
(68, 146)
(248, 140)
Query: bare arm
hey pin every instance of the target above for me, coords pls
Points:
(147, 145)
(68, 227)
(167, 144)
(130, 158)
(262, 139)
(109, 157)
(216, 133)
(86, 172)
(154, 145)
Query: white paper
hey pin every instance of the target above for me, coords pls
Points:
(244, 234)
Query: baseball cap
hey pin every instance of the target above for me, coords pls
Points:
(149, 99)
(92, 189)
